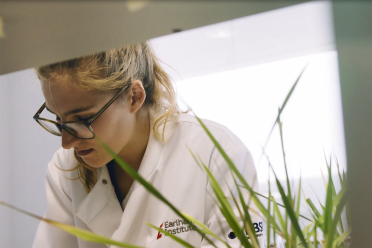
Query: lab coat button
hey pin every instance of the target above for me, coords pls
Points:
(104, 181)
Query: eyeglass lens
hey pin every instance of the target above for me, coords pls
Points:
(51, 127)
(77, 129)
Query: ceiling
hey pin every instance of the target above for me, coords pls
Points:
(43, 32)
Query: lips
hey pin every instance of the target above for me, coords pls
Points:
(82, 153)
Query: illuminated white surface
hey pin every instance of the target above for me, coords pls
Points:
(294, 31)
(246, 101)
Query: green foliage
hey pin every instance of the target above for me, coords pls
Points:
(328, 220)
(77, 232)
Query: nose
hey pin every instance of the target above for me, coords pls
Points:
(69, 140)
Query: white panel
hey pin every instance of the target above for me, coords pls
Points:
(279, 34)
(5, 168)
(274, 35)
(196, 52)
(26, 152)
(246, 100)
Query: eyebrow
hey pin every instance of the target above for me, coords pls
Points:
(75, 111)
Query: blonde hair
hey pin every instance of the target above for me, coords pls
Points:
(112, 70)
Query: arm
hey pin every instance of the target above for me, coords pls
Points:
(59, 208)
(215, 221)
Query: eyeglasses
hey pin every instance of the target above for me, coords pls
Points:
(78, 129)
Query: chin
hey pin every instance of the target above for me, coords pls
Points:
(95, 163)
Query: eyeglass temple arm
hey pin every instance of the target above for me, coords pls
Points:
(40, 110)
(107, 105)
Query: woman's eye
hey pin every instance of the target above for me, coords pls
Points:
(84, 118)
(58, 119)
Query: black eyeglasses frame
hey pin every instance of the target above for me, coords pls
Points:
(87, 123)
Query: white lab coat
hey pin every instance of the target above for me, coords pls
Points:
(172, 170)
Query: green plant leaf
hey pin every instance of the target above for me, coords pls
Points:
(284, 105)
(204, 228)
(333, 223)
(233, 168)
(274, 230)
(298, 200)
(269, 210)
(338, 170)
(313, 208)
(335, 203)
(284, 159)
(328, 207)
(174, 237)
(342, 238)
(277, 203)
(306, 230)
(77, 232)
(315, 236)
(279, 215)
(320, 203)
(135, 175)
(290, 212)
(225, 206)
(248, 224)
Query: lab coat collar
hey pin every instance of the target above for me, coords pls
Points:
(154, 149)
(100, 209)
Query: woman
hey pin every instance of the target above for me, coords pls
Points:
(125, 98)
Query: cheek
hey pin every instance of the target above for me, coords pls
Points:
(114, 128)
(115, 132)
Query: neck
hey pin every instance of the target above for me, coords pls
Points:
(132, 154)
(134, 151)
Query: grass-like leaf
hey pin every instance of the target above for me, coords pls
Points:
(328, 207)
(233, 168)
(283, 153)
(225, 207)
(174, 237)
(77, 232)
(284, 105)
(204, 228)
(279, 215)
(313, 208)
(268, 221)
(333, 224)
(247, 217)
(277, 204)
(134, 174)
(342, 238)
(290, 212)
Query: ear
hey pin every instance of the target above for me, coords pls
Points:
(137, 95)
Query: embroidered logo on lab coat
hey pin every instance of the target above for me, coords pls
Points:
(159, 233)
(176, 227)
(258, 228)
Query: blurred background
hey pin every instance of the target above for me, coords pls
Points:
(233, 64)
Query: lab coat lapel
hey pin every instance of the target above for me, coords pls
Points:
(134, 212)
(151, 157)
(100, 209)
(153, 153)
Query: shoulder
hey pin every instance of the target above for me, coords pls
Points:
(186, 133)
(189, 126)
(192, 130)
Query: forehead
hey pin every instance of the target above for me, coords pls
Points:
(64, 95)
